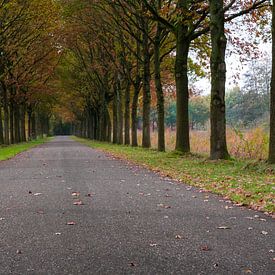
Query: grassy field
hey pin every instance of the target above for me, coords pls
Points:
(8, 152)
(249, 183)
(248, 144)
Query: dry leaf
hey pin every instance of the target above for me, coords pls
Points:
(18, 251)
(71, 223)
(178, 237)
(57, 233)
(78, 203)
(264, 232)
(223, 227)
(205, 248)
(75, 194)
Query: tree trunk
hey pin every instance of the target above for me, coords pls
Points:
(127, 114)
(6, 114)
(218, 146)
(16, 123)
(134, 113)
(115, 119)
(271, 156)
(109, 127)
(146, 139)
(11, 120)
(29, 124)
(181, 70)
(33, 126)
(159, 91)
(135, 98)
(1, 127)
(23, 123)
(120, 114)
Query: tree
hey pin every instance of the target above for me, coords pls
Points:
(218, 146)
(271, 156)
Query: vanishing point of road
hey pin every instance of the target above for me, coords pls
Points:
(69, 209)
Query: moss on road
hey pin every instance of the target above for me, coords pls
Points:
(246, 183)
(8, 152)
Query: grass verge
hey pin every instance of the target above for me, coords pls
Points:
(7, 152)
(246, 183)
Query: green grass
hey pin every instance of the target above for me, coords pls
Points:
(246, 183)
(7, 152)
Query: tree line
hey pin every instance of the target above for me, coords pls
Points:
(113, 54)
(28, 57)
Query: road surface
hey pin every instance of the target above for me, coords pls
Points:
(69, 209)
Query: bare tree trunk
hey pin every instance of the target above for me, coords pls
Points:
(127, 114)
(218, 147)
(120, 114)
(115, 119)
(23, 123)
(6, 115)
(16, 123)
(181, 70)
(146, 138)
(33, 126)
(271, 156)
(1, 127)
(159, 91)
(11, 120)
(135, 99)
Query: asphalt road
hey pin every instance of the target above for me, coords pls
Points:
(132, 221)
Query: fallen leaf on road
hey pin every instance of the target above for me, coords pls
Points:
(205, 248)
(78, 203)
(223, 227)
(178, 237)
(264, 232)
(250, 228)
(75, 194)
(71, 223)
(57, 233)
(18, 251)
(271, 251)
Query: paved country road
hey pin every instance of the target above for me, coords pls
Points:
(132, 221)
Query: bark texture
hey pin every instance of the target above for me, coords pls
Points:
(218, 146)
(159, 91)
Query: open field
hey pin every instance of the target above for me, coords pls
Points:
(250, 144)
